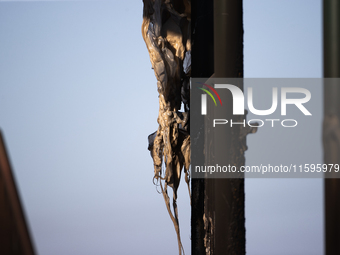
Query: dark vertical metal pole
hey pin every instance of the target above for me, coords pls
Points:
(331, 52)
(228, 194)
(228, 38)
(218, 204)
(202, 65)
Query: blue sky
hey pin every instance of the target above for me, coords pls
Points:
(78, 99)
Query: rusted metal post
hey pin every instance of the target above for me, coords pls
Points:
(331, 52)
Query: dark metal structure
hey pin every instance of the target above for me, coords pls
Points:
(14, 234)
(202, 65)
(331, 125)
(218, 204)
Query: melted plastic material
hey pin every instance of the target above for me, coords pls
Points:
(166, 32)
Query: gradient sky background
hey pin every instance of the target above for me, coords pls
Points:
(78, 99)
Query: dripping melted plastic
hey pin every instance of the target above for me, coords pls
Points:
(166, 32)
